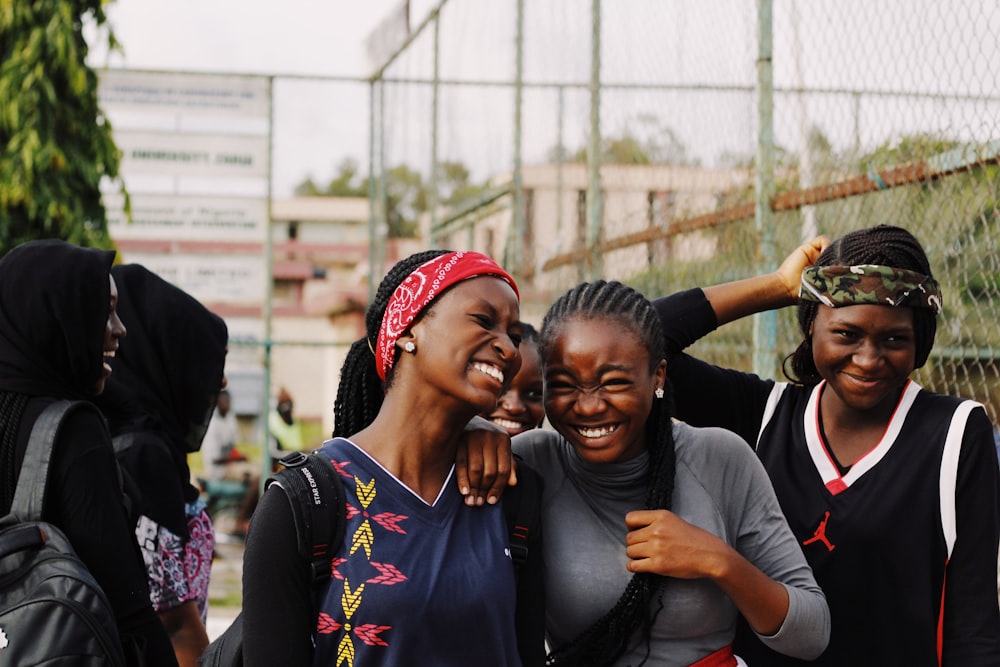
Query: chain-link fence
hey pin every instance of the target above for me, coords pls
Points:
(680, 143)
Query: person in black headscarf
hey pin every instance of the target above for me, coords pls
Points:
(168, 375)
(58, 332)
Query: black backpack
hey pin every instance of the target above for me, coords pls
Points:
(52, 611)
(311, 482)
(316, 495)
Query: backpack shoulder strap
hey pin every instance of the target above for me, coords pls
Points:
(521, 508)
(316, 495)
(29, 497)
(123, 442)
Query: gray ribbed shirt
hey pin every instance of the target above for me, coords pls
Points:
(719, 486)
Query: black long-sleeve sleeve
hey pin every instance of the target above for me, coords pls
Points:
(971, 616)
(277, 595)
(705, 394)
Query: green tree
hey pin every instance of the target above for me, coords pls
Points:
(407, 195)
(645, 141)
(455, 184)
(55, 142)
(347, 182)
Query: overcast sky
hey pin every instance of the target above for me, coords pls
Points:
(316, 125)
(293, 36)
(922, 45)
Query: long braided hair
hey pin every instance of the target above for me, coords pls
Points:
(361, 391)
(604, 641)
(882, 244)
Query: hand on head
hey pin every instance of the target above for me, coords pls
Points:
(790, 271)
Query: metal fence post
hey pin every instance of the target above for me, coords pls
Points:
(765, 325)
(594, 203)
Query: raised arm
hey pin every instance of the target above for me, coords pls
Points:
(769, 291)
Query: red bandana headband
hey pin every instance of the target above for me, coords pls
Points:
(419, 288)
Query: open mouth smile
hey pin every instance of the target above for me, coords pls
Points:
(108, 356)
(509, 424)
(596, 431)
(490, 370)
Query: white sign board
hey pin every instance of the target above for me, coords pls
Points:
(201, 94)
(197, 155)
(156, 217)
(214, 278)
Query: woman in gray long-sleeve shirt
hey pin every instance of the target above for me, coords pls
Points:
(657, 534)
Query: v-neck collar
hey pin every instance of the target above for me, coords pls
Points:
(825, 465)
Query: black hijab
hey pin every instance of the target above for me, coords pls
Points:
(55, 300)
(167, 376)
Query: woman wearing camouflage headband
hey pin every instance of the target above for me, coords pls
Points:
(891, 490)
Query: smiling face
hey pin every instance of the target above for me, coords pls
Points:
(599, 388)
(114, 331)
(467, 342)
(520, 408)
(865, 353)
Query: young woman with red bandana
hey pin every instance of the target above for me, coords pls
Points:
(421, 578)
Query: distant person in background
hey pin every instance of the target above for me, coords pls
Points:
(158, 404)
(218, 450)
(286, 431)
(520, 408)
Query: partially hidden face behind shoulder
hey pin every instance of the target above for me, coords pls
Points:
(520, 408)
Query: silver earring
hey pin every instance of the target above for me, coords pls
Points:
(409, 346)
(659, 392)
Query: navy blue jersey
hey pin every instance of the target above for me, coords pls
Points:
(416, 584)
(904, 544)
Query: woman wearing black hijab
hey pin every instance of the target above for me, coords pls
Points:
(58, 328)
(160, 399)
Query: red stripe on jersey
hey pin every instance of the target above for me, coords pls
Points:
(940, 625)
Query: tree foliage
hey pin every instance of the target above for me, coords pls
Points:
(644, 141)
(55, 142)
(407, 194)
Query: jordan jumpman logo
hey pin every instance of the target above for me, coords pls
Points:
(820, 534)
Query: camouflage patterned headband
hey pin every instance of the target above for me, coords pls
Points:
(837, 286)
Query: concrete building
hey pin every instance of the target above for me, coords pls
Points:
(319, 290)
(635, 198)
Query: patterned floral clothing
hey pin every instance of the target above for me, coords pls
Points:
(178, 571)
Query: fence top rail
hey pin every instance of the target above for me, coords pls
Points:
(689, 87)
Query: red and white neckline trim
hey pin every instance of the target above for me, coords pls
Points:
(827, 468)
